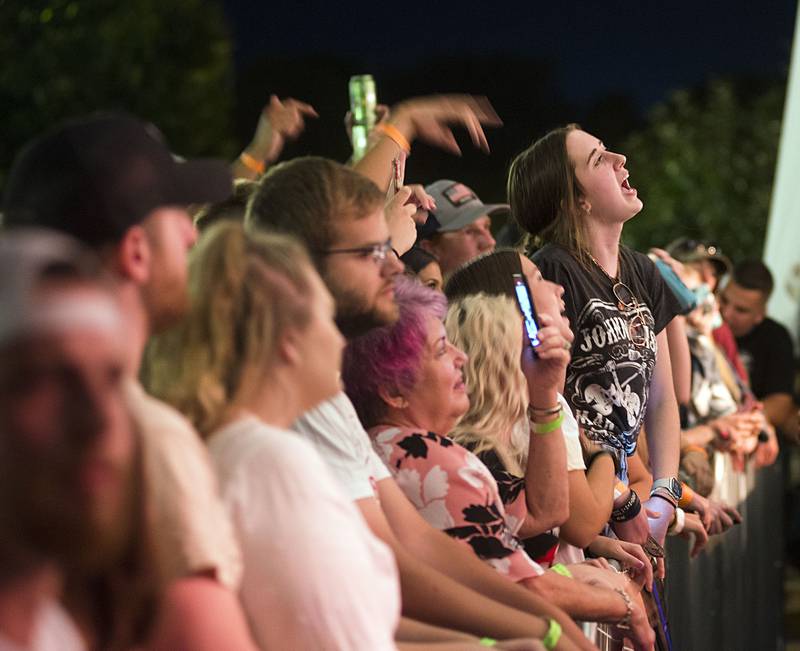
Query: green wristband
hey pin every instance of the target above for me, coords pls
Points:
(551, 426)
(487, 641)
(560, 568)
(553, 635)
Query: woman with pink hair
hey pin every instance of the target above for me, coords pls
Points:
(406, 383)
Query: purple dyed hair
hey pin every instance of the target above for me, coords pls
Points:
(389, 357)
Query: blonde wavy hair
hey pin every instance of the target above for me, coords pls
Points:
(489, 330)
(246, 289)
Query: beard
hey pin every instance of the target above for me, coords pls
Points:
(356, 315)
(166, 302)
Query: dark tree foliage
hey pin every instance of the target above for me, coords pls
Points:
(167, 61)
(704, 167)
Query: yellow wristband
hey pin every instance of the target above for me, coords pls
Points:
(560, 568)
(549, 426)
(393, 133)
(553, 635)
(252, 163)
(487, 641)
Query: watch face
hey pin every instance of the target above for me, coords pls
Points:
(675, 488)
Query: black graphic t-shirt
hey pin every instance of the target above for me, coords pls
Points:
(608, 379)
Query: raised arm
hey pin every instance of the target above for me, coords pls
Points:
(279, 121)
(546, 482)
(428, 119)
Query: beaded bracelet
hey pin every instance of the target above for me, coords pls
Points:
(625, 622)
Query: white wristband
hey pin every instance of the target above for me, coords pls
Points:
(679, 524)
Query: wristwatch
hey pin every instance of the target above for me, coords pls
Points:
(668, 488)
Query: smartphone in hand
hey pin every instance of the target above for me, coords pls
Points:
(525, 302)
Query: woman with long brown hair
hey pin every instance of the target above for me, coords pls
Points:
(573, 197)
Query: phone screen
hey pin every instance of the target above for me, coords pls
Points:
(525, 302)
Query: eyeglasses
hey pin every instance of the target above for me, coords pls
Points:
(627, 302)
(377, 252)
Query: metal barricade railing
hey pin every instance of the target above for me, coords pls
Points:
(730, 598)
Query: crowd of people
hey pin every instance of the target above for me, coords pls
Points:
(302, 405)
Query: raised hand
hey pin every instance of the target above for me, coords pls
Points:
(546, 371)
(430, 119)
(280, 120)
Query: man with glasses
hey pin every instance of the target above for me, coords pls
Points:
(338, 214)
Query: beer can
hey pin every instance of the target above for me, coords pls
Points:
(363, 101)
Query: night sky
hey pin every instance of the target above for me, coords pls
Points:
(602, 64)
(641, 49)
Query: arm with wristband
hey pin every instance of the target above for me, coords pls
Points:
(632, 526)
(663, 438)
(279, 121)
(595, 595)
(428, 119)
(546, 481)
(412, 635)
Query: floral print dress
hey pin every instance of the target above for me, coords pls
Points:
(455, 492)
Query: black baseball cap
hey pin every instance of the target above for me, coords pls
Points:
(95, 177)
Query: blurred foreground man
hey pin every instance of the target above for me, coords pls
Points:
(68, 496)
(111, 182)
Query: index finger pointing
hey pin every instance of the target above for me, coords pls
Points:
(305, 109)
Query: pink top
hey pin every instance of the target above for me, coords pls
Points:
(455, 492)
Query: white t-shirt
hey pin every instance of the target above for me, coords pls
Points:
(315, 577)
(334, 429)
(192, 531)
(572, 441)
(54, 630)
(569, 553)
